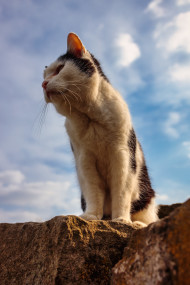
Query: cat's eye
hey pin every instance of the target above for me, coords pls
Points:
(58, 69)
(46, 66)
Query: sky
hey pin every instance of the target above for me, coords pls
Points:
(144, 49)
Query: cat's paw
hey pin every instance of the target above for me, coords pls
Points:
(135, 224)
(122, 220)
(89, 217)
(139, 225)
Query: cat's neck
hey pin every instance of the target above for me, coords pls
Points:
(106, 102)
(93, 109)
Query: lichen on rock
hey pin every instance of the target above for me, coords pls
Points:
(64, 250)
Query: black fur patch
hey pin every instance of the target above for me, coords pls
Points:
(146, 191)
(96, 62)
(83, 64)
(132, 147)
(83, 203)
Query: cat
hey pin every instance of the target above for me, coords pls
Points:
(110, 164)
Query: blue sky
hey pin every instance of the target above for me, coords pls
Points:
(144, 49)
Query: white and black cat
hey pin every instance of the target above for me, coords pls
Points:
(110, 164)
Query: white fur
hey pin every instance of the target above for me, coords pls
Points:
(98, 123)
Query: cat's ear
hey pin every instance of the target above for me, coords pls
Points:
(74, 45)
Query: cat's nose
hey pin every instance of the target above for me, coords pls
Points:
(44, 84)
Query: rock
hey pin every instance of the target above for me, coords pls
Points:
(158, 254)
(165, 210)
(69, 250)
(64, 250)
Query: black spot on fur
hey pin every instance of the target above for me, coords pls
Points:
(146, 191)
(132, 147)
(96, 62)
(83, 203)
(83, 64)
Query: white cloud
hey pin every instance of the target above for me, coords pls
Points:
(186, 145)
(183, 2)
(180, 39)
(11, 177)
(180, 73)
(170, 126)
(175, 191)
(128, 50)
(173, 96)
(174, 36)
(162, 197)
(18, 216)
(155, 8)
(42, 197)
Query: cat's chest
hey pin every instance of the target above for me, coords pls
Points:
(91, 135)
(94, 140)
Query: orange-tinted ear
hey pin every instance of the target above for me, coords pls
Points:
(74, 45)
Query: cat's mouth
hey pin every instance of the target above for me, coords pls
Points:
(47, 96)
(51, 97)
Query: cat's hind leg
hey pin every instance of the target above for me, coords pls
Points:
(147, 215)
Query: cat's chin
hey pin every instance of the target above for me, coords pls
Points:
(47, 96)
(50, 97)
(47, 99)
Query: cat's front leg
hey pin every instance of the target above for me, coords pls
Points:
(92, 187)
(121, 187)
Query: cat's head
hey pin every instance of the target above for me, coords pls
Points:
(72, 81)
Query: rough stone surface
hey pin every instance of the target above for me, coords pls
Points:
(69, 250)
(64, 250)
(165, 210)
(158, 254)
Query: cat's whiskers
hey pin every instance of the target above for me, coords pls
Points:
(64, 88)
(66, 100)
(77, 97)
(68, 103)
(72, 84)
(40, 119)
(76, 83)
